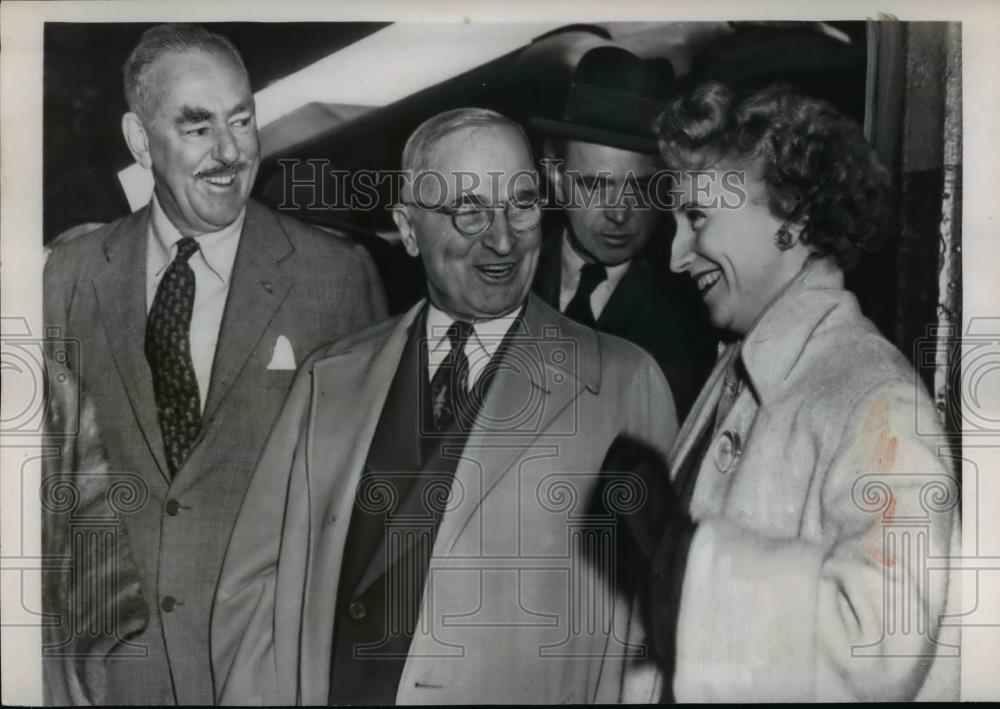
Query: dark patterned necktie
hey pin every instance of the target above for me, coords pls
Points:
(591, 276)
(168, 351)
(450, 385)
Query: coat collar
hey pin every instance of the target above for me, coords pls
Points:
(776, 341)
(539, 320)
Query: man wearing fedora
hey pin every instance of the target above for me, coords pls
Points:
(598, 263)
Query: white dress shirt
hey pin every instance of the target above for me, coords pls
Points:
(213, 270)
(479, 348)
(569, 279)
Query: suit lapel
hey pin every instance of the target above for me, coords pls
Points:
(120, 287)
(258, 287)
(533, 385)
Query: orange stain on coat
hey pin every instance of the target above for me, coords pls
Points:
(874, 547)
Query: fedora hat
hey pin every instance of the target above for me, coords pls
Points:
(613, 99)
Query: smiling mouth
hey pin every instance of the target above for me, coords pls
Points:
(220, 179)
(705, 280)
(498, 272)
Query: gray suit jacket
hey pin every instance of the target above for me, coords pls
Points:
(511, 612)
(288, 280)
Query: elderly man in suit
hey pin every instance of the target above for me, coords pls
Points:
(190, 314)
(416, 529)
(600, 263)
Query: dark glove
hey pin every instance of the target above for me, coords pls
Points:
(657, 536)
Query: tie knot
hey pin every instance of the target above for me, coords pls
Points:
(187, 247)
(459, 333)
(591, 276)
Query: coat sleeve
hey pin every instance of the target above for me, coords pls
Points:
(855, 616)
(274, 515)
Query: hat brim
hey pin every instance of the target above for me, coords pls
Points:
(589, 134)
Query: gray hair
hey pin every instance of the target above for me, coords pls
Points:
(432, 130)
(164, 39)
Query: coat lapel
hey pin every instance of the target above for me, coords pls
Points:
(702, 414)
(349, 392)
(257, 288)
(535, 383)
(120, 287)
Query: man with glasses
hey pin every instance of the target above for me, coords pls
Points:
(421, 527)
(604, 259)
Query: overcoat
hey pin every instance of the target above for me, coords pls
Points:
(827, 510)
(502, 620)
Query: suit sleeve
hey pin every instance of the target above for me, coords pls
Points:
(852, 618)
(372, 308)
(274, 515)
(59, 283)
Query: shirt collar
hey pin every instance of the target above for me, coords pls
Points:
(217, 248)
(572, 262)
(487, 334)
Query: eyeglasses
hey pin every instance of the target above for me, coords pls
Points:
(472, 219)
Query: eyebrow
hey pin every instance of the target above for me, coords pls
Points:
(242, 107)
(692, 205)
(197, 114)
(194, 114)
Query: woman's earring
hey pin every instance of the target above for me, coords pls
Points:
(784, 239)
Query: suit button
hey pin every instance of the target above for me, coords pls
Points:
(167, 603)
(357, 610)
(173, 507)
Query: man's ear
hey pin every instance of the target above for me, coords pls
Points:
(136, 139)
(406, 232)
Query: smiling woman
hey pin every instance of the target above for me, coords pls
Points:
(780, 580)
(812, 184)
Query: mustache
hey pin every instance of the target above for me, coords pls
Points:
(232, 169)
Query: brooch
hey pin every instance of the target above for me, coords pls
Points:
(728, 451)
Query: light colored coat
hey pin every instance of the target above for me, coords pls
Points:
(499, 623)
(807, 578)
(290, 283)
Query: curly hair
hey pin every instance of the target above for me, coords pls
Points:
(818, 168)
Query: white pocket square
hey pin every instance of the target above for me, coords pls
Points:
(283, 357)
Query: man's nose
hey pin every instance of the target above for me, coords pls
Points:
(618, 212)
(681, 253)
(499, 238)
(226, 148)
